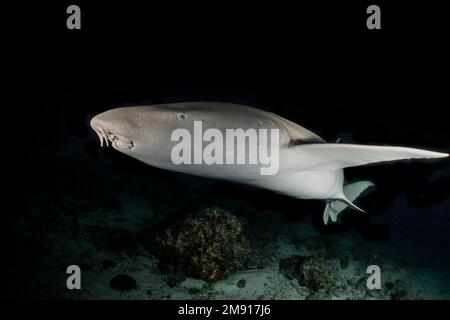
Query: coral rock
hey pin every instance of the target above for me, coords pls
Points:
(310, 272)
(208, 245)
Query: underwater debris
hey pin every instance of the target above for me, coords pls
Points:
(241, 283)
(122, 282)
(314, 274)
(311, 272)
(208, 245)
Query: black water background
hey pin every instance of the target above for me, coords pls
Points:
(320, 68)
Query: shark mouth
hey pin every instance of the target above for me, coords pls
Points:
(117, 141)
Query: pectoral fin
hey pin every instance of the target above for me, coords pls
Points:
(332, 156)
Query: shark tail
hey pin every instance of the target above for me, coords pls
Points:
(335, 206)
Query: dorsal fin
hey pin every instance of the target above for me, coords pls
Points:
(298, 134)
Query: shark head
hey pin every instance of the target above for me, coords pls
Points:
(144, 132)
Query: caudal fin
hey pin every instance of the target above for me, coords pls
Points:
(351, 191)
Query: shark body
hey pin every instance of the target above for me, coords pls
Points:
(309, 168)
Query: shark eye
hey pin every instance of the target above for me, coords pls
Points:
(181, 116)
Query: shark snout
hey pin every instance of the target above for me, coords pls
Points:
(100, 126)
(106, 132)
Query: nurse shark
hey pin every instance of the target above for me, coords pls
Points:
(307, 166)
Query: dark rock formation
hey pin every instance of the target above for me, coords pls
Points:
(122, 282)
(310, 272)
(208, 245)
